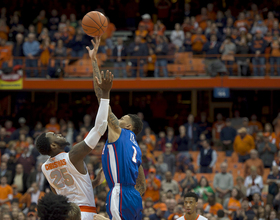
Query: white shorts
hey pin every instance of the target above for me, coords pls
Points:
(87, 215)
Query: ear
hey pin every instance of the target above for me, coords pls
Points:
(128, 127)
(54, 146)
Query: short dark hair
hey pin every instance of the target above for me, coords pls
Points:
(53, 207)
(221, 213)
(192, 195)
(136, 123)
(43, 144)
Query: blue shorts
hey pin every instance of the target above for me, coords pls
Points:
(124, 202)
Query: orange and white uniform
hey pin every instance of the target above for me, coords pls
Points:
(199, 217)
(68, 181)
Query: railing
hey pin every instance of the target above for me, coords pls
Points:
(178, 65)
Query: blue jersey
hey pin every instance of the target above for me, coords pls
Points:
(121, 160)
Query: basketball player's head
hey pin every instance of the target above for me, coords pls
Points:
(190, 202)
(50, 143)
(131, 122)
(57, 207)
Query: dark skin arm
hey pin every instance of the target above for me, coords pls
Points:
(114, 129)
(99, 179)
(81, 150)
(141, 181)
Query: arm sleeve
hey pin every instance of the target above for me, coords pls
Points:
(100, 124)
(214, 158)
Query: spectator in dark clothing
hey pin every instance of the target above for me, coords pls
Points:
(189, 182)
(77, 45)
(20, 179)
(182, 141)
(227, 137)
(18, 50)
(53, 22)
(187, 44)
(161, 49)
(170, 138)
(31, 49)
(38, 177)
(192, 133)
(119, 63)
(242, 61)
(207, 158)
(244, 212)
(137, 49)
(5, 172)
(273, 180)
(27, 160)
(267, 151)
(212, 63)
(204, 126)
(258, 48)
(4, 139)
(169, 158)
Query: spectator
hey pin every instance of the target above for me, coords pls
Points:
(237, 121)
(240, 186)
(189, 182)
(149, 139)
(40, 21)
(137, 49)
(163, 7)
(38, 177)
(142, 32)
(223, 183)
(119, 51)
(5, 172)
(207, 158)
(232, 204)
(77, 45)
(31, 49)
(33, 195)
(169, 184)
(159, 213)
(276, 161)
(170, 138)
(4, 139)
(220, 21)
(147, 157)
(153, 186)
(177, 36)
(253, 182)
(5, 53)
(256, 201)
(146, 23)
(253, 161)
(241, 21)
(192, 132)
(259, 26)
(46, 50)
(275, 57)
(198, 40)
(210, 12)
(161, 167)
(4, 29)
(254, 125)
(18, 50)
(243, 144)
(242, 61)
(228, 49)
(202, 18)
(9, 127)
(203, 189)
(53, 126)
(151, 61)
(258, 48)
(217, 128)
(244, 212)
(273, 180)
(6, 192)
(212, 206)
(267, 151)
(53, 22)
(16, 27)
(160, 51)
(227, 137)
(169, 158)
(20, 179)
(182, 141)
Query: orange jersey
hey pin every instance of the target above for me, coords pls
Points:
(212, 209)
(6, 192)
(150, 192)
(149, 145)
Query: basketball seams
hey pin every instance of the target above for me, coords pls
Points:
(100, 25)
(93, 20)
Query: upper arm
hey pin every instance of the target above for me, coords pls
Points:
(114, 129)
(78, 153)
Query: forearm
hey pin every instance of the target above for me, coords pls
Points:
(95, 183)
(140, 181)
(96, 74)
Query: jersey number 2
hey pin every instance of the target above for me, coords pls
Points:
(134, 155)
(62, 173)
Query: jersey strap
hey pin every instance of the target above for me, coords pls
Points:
(88, 209)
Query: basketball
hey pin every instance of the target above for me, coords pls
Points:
(94, 23)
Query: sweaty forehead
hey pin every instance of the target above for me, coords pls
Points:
(189, 199)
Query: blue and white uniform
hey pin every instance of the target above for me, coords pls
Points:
(120, 161)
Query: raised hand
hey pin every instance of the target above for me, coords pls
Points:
(92, 53)
(106, 81)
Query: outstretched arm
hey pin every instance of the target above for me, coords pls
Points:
(82, 149)
(141, 181)
(113, 121)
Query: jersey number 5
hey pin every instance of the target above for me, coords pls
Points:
(62, 173)
(134, 155)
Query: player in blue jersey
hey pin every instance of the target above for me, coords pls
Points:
(121, 159)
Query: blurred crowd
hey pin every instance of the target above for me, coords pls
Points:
(233, 165)
(234, 42)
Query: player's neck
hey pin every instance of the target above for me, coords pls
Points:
(192, 216)
(53, 154)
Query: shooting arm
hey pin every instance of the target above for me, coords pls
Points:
(96, 74)
(141, 181)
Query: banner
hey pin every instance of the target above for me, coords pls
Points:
(11, 81)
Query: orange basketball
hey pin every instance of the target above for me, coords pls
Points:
(94, 23)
